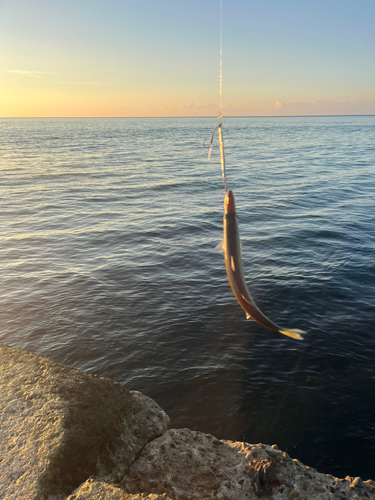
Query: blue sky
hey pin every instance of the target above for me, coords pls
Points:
(161, 58)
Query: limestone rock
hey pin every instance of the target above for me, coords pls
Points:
(59, 426)
(97, 490)
(189, 465)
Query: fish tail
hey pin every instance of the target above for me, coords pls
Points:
(294, 333)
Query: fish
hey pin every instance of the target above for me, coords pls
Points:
(234, 269)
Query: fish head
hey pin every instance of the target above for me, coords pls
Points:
(229, 205)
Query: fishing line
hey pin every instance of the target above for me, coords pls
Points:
(221, 63)
(220, 117)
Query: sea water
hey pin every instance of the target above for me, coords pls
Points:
(107, 236)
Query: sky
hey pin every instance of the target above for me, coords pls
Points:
(125, 58)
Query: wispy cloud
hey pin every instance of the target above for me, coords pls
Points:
(325, 107)
(83, 83)
(59, 81)
(28, 73)
(203, 108)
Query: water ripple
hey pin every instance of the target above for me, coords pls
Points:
(107, 241)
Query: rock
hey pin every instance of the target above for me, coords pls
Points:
(59, 426)
(192, 465)
(65, 435)
(356, 483)
(187, 464)
(97, 490)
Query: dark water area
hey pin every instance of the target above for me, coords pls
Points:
(107, 236)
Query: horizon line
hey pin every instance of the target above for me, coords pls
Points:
(186, 116)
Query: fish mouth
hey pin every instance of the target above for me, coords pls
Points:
(229, 204)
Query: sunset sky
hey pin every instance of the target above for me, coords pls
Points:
(161, 57)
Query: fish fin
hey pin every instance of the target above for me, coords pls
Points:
(219, 247)
(248, 315)
(294, 333)
(247, 300)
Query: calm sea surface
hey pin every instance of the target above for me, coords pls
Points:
(107, 237)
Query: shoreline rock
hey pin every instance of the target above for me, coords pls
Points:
(59, 426)
(67, 435)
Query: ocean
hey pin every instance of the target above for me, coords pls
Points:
(108, 231)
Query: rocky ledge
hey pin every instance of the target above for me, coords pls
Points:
(66, 435)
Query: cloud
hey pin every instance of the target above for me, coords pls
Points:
(201, 109)
(318, 107)
(27, 73)
(83, 83)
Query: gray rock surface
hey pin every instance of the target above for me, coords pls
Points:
(59, 426)
(189, 465)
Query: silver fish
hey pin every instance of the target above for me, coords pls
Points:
(233, 265)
